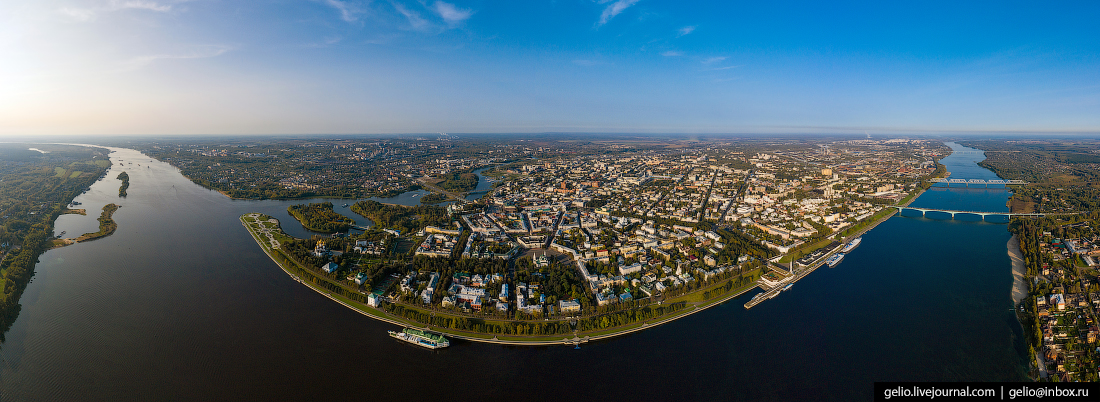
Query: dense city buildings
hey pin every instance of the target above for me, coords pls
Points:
(567, 229)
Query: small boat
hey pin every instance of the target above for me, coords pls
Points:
(345, 205)
(785, 288)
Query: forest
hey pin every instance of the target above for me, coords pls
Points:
(458, 182)
(319, 217)
(402, 218)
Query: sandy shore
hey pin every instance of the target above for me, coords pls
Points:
(1019, 284)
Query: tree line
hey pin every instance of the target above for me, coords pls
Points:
(403, 218)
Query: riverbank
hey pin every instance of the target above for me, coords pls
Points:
(1019, 281)
(271, 243)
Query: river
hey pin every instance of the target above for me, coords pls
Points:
(181, 304)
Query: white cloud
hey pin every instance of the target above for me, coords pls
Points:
(347, 11)
(714, 59)
(672, 53)
(198, 52)
(686, 30)
(451, 14)
(415, 20)
(614, 9)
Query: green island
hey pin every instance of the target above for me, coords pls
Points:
(125, 184)
(433, 198)
(35, 188)
(107, 227)
(319, 217)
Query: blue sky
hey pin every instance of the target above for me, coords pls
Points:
(401, 66)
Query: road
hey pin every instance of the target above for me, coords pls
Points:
(740, 193)
(645, 214)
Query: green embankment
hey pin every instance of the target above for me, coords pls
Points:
(873, 220)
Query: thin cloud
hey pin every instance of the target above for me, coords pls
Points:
(714, 59)
(615, 9)
(415, 20)
(451, 14)
(326, 43)
(672, 53)
(199, 52)
(686, 30)
(79, 14)
(347, 10)
(140, 5)
(88, 14)
(726, 67)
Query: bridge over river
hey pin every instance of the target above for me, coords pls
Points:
(982, 214)
(976, 182)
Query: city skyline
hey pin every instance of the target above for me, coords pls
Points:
(349, 67)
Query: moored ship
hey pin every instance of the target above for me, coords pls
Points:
(425, 339)
(835, 259)
(852, 244)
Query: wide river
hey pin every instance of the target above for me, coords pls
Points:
(181, 304)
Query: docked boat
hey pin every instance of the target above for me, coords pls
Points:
(834, 259)
(788, 287)
(852, 244)
(425, 339)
